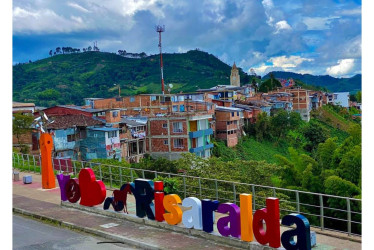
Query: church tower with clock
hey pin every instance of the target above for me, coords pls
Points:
(234, 77)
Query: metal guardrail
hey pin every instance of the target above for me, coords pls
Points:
(324, 211)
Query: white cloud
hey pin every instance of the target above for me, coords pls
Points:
(283, 63)
(344, 67)
(282, 25)
(288, 62)
(44, 21)
(319, 23)
(350, 12)
(78, 7)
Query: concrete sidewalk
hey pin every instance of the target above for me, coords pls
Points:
(32, 200)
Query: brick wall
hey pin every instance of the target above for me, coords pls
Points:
(158, 145)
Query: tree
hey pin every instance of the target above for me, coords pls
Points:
(21, 125)
(315, 133)
(337, 186)
(89, 48)
(262, 126)
(350, 165)
(355, 132)
(325, 152)
(58, 50)
(279, 123)
(50, 53)
(359, 96)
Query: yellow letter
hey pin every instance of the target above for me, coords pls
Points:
(170, 205)
(246, 217)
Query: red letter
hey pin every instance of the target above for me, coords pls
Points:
(270, 215)
(159, 198)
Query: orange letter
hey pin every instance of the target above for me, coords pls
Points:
(246, 217)
(171, 202)
(46, 145)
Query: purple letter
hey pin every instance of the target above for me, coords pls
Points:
(62, 180)
(233, 219)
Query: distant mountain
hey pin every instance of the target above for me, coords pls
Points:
(333, 84)
(68, 78)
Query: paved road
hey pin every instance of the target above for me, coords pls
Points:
(31, 234)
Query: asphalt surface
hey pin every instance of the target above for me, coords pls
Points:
(31, 234)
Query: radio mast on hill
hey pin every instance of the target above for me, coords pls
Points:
(160, 29)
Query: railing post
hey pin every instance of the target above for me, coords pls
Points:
(110, 176)
(59, 163)
(169, 175)
(33, 160)
(66, 165)
(100, 172)
(120, 176)
(28, 162)
(82, 165)
(253, 198)
(234, 191)
(74, 168)
(53, 164)
(143, 174)
(23, 162)
(132, 175)
(297, 202)
(215, 181)
(200, 187)
(321, 212)
(18, 159)
(40, 162)
(155, 174)
(349, 219)
(184, 186)
(274, 194)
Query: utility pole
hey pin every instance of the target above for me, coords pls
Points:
(161, 29)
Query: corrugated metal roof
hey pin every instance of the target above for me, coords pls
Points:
(105, 129)
(22, 105)
(70, 121)
(89, 110)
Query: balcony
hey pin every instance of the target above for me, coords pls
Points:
(201, 133)
(202, 148)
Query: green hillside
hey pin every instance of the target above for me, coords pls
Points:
(68, 78)
(352, 84)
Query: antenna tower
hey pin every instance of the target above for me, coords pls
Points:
(160, 29)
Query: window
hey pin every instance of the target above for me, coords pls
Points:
(166, 142)
(71, 138)
(115, 113)
(178, 143)
(232, 113)
(153, 98)
(237, 113)
(177, 127)
(132, 99)
(164, 125)
(175, 108)
(112, 134)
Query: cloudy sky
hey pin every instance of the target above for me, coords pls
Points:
(304, 36)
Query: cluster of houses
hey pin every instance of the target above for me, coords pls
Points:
(127, 128)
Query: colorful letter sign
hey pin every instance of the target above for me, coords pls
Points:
(198, 214)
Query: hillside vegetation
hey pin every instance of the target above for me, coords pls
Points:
(352, 84)
(68, 78)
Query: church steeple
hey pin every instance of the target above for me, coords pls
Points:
(234, 77)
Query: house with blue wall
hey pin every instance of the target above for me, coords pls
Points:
(101, 143)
